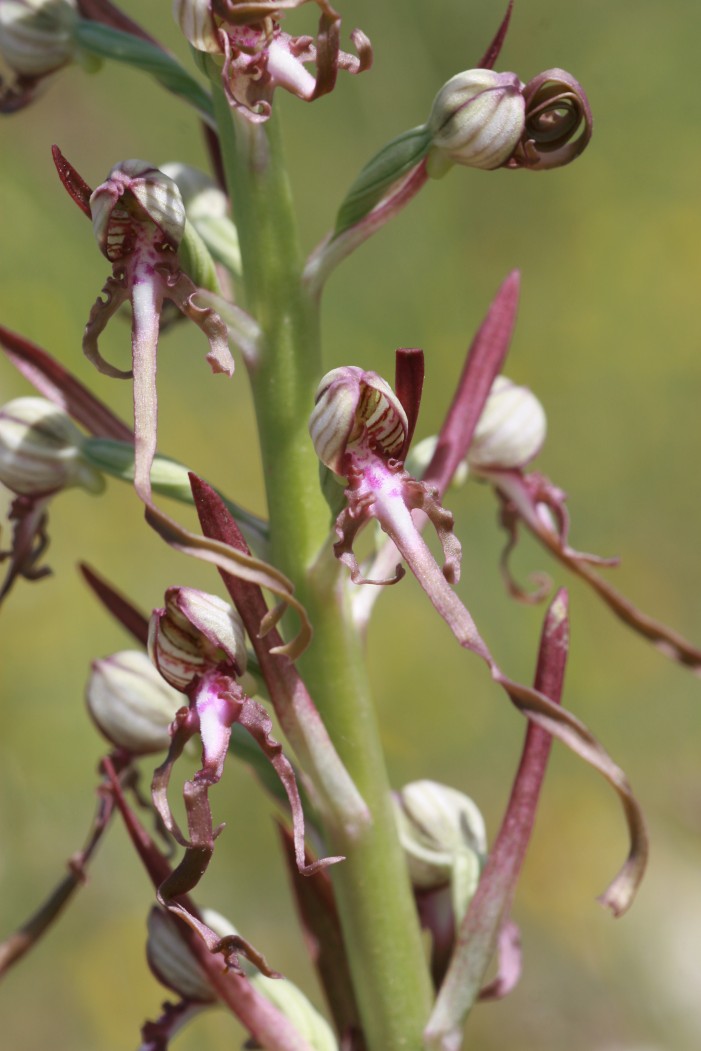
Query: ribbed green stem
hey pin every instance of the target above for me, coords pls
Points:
(374, 897)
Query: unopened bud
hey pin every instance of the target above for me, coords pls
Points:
(196, 20)
(443, 836)
(174, 965)
(136, 194)
(130, 703)
(172, 962)
(477, 120)
(36, 36)
(194, 633)
(40, 450)
(511, 429)
(356, 411)
(207, 208)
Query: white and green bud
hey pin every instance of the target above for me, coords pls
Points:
(354, 410)
(477, 119)
(41, 450)
(130, 703)
(175, 966)
(207, 208)
(36, 36)
(171, 960)
(196, 21)
(134, 195)
(294, 1005)
(193, 634)
(444, 839)
(511, 429)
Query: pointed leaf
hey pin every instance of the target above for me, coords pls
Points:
(393, 161)
(484, 360)
(120, 607)
(107, 42)
(57, 384)
(493, 51)
(168, 478)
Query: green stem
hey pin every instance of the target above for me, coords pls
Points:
(377, 911)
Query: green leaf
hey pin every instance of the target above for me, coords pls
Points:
(395, 159)
(196, 260)
(169, 478)
(111, 43)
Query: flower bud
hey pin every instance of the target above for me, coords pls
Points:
(511, 429)
(477, 119)
(174, 965)
(207, 208)
(441, 831)
(172, 962)
(356, 411)
(196, 20)
(134, 194)
(36, 36)
(193, 633)
(130, 703)
(41, 450)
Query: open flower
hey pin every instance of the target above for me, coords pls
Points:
(138, 218)
(197, 644)
(359, 428)
(259, 56)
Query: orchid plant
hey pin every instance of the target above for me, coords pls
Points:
(371, 868)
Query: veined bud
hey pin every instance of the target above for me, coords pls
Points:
(443, 836)
(41, 450)
(36, 36)
(197, 23)
(173, 964)
(135, 195)
(511, 429)
(194, 633)
(477, 119)
(170, 959)
(207, 208)
(356, 412)
(130, 703)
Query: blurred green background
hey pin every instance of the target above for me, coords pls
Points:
(609, 336)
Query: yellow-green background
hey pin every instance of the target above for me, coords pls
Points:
(608, 336)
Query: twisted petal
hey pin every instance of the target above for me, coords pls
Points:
(181, 291)
(556, 111)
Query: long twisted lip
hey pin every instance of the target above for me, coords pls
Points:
(557, 110)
